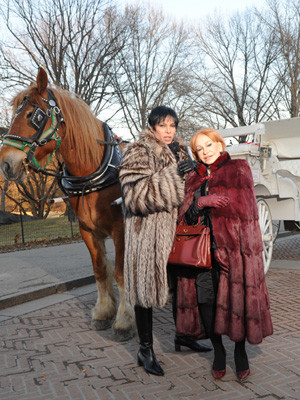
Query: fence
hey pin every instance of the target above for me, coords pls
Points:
(59, 227)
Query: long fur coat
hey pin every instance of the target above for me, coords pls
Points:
(152, 191)
(243, 308)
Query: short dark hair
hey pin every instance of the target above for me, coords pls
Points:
(159, 114)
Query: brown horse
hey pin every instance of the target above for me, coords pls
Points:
(42, 119)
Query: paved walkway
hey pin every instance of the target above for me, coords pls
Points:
(27, 275)
(49, 352)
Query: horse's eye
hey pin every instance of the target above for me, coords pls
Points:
(21, 105)
(29, 115)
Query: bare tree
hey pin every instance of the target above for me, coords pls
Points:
(4, 118)
(32, 193)
(283, 19)
(153, 67)
(3, 188)
(235, 57)
(3, 130)
(74, 40)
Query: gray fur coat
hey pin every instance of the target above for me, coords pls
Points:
(152, 191)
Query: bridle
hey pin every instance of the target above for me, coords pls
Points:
(38, 119)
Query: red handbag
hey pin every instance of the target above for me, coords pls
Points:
(191, 247)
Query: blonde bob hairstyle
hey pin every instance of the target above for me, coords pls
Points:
(212, 134)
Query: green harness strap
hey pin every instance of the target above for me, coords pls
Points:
(52, 131)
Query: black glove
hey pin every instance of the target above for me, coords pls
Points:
(175, 149)
(185, 166)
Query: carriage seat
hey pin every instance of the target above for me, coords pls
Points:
(287, 151)
(293, 166)
(243, 149)
(285, 148)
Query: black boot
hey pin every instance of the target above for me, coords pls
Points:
(146, 356)
(191, 343)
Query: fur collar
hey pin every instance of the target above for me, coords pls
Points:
(147, 135)
(203, 168)
(148, 139)
(197, 176)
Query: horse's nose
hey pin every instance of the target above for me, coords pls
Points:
(11, 164)
(7, 169)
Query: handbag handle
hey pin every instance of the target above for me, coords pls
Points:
(198, 223)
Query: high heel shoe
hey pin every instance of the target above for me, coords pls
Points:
(243, 375)
(218, 374)
(190, 343)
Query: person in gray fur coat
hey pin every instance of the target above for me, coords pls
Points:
(152, 181)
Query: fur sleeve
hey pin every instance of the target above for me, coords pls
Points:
(235, 181)
(147, 185)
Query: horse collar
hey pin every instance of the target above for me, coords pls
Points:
(106, 175)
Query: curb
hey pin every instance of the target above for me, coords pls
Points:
(11, 301)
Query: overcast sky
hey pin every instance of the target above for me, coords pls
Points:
(195, 9)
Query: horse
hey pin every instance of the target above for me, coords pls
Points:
(48, 120)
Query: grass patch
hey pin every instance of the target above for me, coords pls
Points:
(38, 231)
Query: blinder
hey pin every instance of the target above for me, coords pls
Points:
(38, 120)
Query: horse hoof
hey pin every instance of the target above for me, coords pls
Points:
(101, 325)
(122, 335)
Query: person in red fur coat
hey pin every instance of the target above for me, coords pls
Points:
(232, 297)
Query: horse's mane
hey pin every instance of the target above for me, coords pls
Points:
(82, 128)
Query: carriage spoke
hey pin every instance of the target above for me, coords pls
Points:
(266, 227)
(267, 238)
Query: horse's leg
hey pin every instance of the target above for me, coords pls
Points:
(105, 308)
(124, 325)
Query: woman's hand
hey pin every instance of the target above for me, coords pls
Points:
(212, 200)
(185, 166)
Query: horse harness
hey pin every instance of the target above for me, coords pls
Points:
(38, 119)
(105, 175)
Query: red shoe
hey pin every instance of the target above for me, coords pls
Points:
(243, 375)
(218, 374)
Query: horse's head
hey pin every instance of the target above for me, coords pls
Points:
(33, 134)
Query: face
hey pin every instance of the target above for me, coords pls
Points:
(207, 150)
(165, 130)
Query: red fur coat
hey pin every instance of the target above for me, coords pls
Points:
(243, 309)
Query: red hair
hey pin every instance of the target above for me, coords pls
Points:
(209, 132)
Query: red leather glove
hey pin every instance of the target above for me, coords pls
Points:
(212, 200)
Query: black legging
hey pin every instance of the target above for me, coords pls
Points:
(207, 314)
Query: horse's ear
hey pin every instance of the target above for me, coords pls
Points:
(42, 80)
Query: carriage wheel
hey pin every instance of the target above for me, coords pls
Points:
(266, 227)
(276, 227)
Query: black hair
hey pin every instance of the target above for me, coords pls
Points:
(159, 114)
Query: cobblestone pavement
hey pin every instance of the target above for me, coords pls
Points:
(48, 350)
(287, 248)
(51, 353)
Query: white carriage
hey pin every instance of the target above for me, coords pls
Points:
(273, 153)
